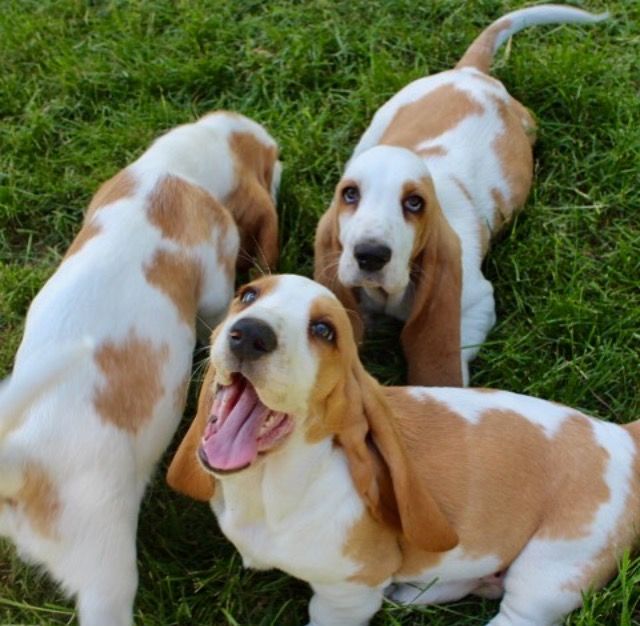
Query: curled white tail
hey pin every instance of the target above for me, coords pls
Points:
(37, 375)
(480, 52)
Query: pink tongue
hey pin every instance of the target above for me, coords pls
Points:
(235, 444)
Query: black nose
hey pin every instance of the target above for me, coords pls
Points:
(371, 256)
(251, 338)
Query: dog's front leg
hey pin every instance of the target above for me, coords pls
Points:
(344, 604)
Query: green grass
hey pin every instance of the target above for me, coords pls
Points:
(84, 88)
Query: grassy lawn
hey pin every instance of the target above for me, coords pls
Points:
(85, 86)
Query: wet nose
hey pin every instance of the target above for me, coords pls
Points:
(371, 256)
(251, 338)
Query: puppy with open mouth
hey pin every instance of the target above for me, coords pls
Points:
(425, 494)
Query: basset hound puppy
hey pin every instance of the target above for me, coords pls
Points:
(81, 428)
(443, 167)
(428, 494)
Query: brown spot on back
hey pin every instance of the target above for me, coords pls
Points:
(133, 384)
(429, 117)
(179, 277)
(184, 212)
(501, 480)
(87, 232)
(38, 498)
(122, 185)
(581, 480)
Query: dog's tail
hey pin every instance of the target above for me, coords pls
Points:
(480, 52)
(43, 370)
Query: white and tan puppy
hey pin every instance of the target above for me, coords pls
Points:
(351, 486)
(444, 165)
(80, 435)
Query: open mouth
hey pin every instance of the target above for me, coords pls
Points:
(240, 428)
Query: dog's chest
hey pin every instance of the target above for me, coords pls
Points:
(306, 540)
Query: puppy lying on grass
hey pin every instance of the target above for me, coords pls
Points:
(443, 167)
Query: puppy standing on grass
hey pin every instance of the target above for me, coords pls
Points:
(157, 250)
(442, 168)
(322, 472)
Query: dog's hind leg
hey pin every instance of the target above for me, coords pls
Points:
(541, 587)
(100, 563)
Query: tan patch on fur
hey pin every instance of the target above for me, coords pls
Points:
(255, 156)
(513, 148)
(87, 232)
(625, 536)
(180, 279)
(375, 548)
(573, 518)
(39, 499)
(250, 202)
(185, 213)
(133, 385)
(503, 480)
(122, 185)
(429, 117)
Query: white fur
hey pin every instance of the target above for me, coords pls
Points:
(98, 469)
(293, 508)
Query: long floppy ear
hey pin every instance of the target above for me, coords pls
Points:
(431, 336)
(381, 469)
(255, 214)
(185, 474)
(327, 251)
(257, 171)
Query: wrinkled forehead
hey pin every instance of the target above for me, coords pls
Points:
(386, 167)
(286, 299)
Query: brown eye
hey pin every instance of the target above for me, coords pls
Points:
(351, 195)
(248, 296)
(323, 330)
(413, 204)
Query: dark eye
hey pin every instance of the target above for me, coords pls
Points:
(248, 296)
(351, 195)
(323, 330)
(413, 204)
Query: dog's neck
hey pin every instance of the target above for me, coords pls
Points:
(277, 485)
